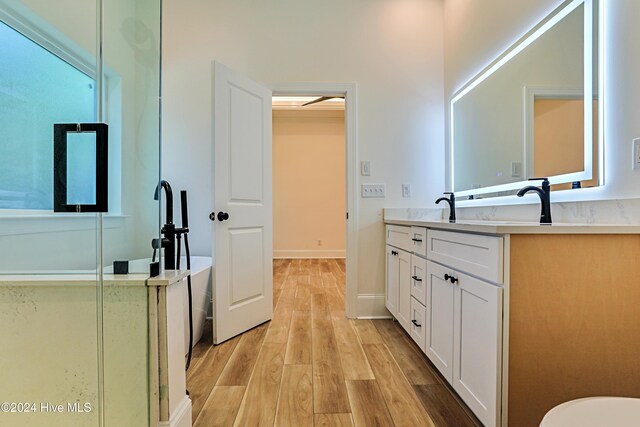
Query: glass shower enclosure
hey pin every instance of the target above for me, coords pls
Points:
(79, 163)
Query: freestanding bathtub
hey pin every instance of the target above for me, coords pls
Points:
(201, 292)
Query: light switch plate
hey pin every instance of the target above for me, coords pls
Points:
(365, 168)
(406, 190)
(373, 190)
(636, 154)
(516, 169)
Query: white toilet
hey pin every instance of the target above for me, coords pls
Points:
(595, 412)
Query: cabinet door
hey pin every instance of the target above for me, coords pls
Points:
(391, 293)
(404, 290)
(419, 278)
(439, 321)
(478, 346)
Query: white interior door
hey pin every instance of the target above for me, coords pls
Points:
(242, 249)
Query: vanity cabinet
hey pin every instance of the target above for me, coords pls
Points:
(456, 318)
(519, 318)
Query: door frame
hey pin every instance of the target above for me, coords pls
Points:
(349, 91)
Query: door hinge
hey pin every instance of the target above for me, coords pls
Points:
(347, 215)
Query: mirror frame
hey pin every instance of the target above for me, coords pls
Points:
(548, 22)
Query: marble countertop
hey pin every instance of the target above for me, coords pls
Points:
(167, 278)
(514, 227)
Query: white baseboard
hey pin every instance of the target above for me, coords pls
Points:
(371, 306)
(181, 417)
(310, 253)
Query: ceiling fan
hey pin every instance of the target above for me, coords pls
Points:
(322, 98)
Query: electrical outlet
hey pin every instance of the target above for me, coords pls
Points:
(406, 190)
(365, 168)
(373, 190)
(636, 154)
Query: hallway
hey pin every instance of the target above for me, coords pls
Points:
(312, 366)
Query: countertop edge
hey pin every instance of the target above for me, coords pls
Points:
(516, 228)
(168, 278)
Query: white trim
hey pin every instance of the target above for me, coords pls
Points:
(181, 417)
(45, 35)
(310, 253)
(601, 91)
(349, 90)
(549, 92)
(371, 306)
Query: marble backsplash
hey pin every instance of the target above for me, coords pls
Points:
(616, 211)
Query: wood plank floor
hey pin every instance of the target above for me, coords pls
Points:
(311, 366)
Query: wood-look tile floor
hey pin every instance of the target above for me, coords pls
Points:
(311, 366)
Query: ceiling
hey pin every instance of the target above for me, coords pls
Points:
(295, 103)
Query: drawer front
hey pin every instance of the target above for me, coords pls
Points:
(481, 256)
(417, 326)
(400, 237)
(419, 279)
(418, 239)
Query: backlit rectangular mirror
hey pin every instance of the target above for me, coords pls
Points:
(534, 112)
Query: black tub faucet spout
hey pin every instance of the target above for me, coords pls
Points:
(545, 198)
(452, 205)
(169, 228)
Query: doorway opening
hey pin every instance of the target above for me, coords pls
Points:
(313, 211)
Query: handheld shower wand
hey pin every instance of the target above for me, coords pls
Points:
(179, 232)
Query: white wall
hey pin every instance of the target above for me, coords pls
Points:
(477, 32)
(309, 184)
(392, 50)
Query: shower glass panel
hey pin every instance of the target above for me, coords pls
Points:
(81, 169)
(75, 337)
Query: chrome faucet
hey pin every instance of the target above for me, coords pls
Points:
(452, 205)
(545, 198)
(168, 242)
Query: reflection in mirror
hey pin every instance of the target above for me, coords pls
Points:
(525, 116)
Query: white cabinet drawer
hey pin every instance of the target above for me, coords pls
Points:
(481, 256)
(399, 236)
(419, 240)
(417, 326)
(419, 279)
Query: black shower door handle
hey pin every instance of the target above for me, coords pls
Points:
(60, 149)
